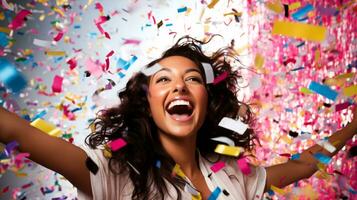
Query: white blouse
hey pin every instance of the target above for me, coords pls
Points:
(237, 186)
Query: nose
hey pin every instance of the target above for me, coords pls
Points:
(180, 86)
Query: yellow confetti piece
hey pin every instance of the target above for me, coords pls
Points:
(322, 175)
(305, 90)
(276, 7)
(259, 61)
(238, 14)
(345, 76)
(177, 170)
(42, 17)
(187, 13)
(2, 16)
(5, 30)
(350, 91)
(55, 53)
(61, 2)
(317, 56)
(212, 4)
(46, 127)
(197, 197)
(18, 174)
(277, 190)
(300, 30)
(294, 5)
(228, 150)
(59, 11)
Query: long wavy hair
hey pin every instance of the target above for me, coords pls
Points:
(132, 122)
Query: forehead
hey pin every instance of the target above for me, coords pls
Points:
(177, 62)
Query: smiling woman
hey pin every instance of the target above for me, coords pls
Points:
(169, 117)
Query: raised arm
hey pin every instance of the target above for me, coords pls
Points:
(284, 174)
(51, 152)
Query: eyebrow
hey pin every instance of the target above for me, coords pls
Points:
(187, 70)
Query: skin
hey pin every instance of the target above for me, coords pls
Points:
(180, 78)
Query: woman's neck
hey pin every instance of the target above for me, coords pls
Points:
(183, 152)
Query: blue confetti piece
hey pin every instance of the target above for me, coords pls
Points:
(76, 109)
(77, 26)
(302, 12)
(170, 24)
(121, 75)
(295, 156)
(322, 158)
(271, 192)
(11, 77)
(3, 40)
(288, 110)
(215, 194)
(39, 115)
(323, 90)
(158, 164)
(180, 10)
(126, 64)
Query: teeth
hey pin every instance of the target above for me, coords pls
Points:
(178, 102)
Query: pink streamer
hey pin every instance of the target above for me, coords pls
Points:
(57, 84)
(218, 166)
(117, 144)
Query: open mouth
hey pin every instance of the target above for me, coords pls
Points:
(180, 110)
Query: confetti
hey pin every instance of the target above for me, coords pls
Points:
(117, 144)
(46, 127)
(11, 78)
(214, 195)
(323, 90)
(233, 125)
(302, 12)
(322, 158)
(208, 72)
(243, 166)
(151, 70)
(228, 150)
(19, 20)
(218, 166)
(57, 84)
(299, 30)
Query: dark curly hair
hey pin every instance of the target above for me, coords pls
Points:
(132, 122)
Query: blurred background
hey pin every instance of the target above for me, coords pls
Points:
(63, 61)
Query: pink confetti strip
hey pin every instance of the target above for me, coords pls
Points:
(57, 84)
(243, 166)
(342, 106)
(72, 63)
(218, 166)
(220, 78)
(59, 36)
(117, 144)
(19, 20)
(132, 41)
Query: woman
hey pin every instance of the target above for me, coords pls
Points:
(168, 125)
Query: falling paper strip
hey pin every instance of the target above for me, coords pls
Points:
(350, 91)
(323, 90)
(151, 70)
(218, 166)
(299, 30)
(11, 78)
(208, 72)
(233, 125)
(42, 43)
(243, 166)
(322, 158)
(57, 84)
(214, 195)
(46, 127)
(225, 140)
(302, 12)
(228, 150)
(117, 144)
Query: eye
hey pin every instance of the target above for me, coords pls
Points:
(194, 79)
(162, 79)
